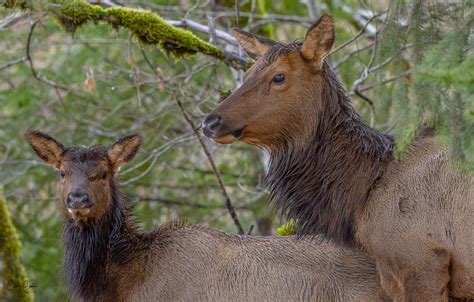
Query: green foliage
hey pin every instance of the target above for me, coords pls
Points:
(287, 229)
(14, 285)
(439, 93)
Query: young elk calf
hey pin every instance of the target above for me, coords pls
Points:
(336, 175)
(107, 258)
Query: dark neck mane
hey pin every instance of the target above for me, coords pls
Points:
(91, 248)
(324, 181)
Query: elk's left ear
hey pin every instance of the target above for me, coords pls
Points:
(124, 149)
(319, 40)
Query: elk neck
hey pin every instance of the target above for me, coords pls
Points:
(91, 249)
(323, 180)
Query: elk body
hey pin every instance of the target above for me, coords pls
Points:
(107, 258)
(337, 176)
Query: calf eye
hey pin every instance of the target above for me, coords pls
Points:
(104, 176)
(62, 174)
(279, 78)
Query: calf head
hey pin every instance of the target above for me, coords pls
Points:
(86, 174)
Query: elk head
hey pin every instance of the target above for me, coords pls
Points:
(281, 92)
(86, 174)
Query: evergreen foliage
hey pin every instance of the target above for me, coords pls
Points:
(439, 94)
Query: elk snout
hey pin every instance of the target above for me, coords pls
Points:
(78, 199)
(211, 125)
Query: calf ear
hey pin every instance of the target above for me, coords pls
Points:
(47, 148)
(124, 149)
(319, 40)
(253, 45)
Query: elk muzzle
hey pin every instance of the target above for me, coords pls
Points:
(78, 203)
(215, 128)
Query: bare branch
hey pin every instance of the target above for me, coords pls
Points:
(228, 201)
(237, 12)
(358, 35)
(14, 19)
(12, 63)
(391, 79)
(313, 7)
(187, 23)
(30, 60)
(208, 154)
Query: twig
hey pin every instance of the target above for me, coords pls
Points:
(357, 36)
(210, 159)
(14, 62)
(346, 57)
(135, 70)
(14, 19)
(371, 104)
(237, 12)
(104, 2)
(250, 230)
(403, 74)
(228, 201)
(212, 29)
(178, 202)
(30, 60)
(313, 7)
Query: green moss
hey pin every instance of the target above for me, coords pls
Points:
(16, 285)
(147, 27)
(287, 229)
(150, 28)
(22, 4)
(75, 13)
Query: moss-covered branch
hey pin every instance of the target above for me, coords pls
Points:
(147, 27)
(14, 286)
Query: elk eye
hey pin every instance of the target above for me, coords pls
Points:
(62, 174)
(104, 176)
(279, 78)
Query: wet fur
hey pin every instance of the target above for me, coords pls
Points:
(337, 176)
(158, 263)
(323, 182)
(108, 258)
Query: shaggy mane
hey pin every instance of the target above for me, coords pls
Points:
(89, 247)
(323, 182)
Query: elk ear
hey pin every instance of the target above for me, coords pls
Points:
(124, 149)
(253, 45)
(319, 40)
(47, 148)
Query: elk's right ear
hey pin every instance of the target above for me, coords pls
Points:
(253, 45)
(124, 149)
(319, 40)
(47, 148)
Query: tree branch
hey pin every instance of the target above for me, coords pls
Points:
(14, 62)
(208, 154)
(147, 27)
(228, 201)
(30, 60)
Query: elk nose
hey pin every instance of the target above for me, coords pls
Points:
(211, 124)
(78, 200)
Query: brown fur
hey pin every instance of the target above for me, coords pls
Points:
(108, 258)
(336, 175)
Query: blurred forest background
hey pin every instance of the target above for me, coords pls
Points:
(404, 62)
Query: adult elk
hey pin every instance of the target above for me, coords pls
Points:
(108, 258)
(337, 176)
